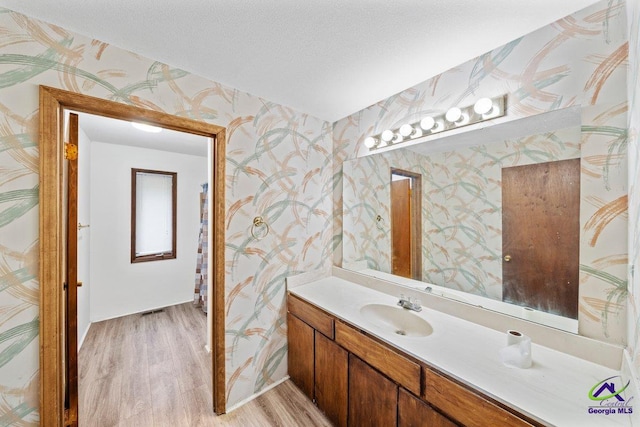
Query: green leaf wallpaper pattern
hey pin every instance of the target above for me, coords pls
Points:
(19, 412)
(23, 201)
(20, 336)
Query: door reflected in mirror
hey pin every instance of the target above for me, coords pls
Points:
(406, 224)
(449, 215)
(541, 235)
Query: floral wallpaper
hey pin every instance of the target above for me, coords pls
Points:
(365, 216)
(580, 60)
(279, 166)
(461, 207)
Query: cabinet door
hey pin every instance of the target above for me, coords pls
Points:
(413, 412)
(332, 363)
(373, 399)
(300, 358)
(464, 405)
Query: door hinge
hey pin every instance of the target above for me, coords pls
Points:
(70, 151)
(64, 286)
(70, 419)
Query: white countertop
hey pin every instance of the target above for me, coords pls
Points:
(553, 391)
(559, 322)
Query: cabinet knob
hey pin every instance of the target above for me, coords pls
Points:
(507, 258)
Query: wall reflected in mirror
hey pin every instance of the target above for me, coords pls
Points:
(492, 222)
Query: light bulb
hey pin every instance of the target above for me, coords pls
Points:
(427, 123)
(483, 106)
(387, 135)
(370, 142)
(407, 130)
(453, 114)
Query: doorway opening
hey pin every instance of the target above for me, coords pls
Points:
(141, 322)
(406, 224)
(58, 397)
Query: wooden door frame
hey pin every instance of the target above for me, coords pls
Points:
(70, 298)
(52, 104)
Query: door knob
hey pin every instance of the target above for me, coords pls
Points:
(507, 258)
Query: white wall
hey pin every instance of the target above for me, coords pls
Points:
(84, 235)
(118, 286)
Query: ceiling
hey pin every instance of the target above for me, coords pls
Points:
(328, 58)
(120, 132)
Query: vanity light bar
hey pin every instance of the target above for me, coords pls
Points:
(453, 118)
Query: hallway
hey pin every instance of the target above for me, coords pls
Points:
(153, 370)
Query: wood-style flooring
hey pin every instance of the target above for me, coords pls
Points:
(153, 370)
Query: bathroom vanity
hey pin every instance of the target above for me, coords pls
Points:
(365, 361)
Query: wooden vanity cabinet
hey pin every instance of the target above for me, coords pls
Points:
(373, 398)
(466, 406)
(317, 365)
(311, 315)
(359, 380)
(380, 356)
(331, 384)
(301, 354)
(414, 412)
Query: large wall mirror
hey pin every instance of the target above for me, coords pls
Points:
(488, 217)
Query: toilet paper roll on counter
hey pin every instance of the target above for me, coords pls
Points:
(517, 353)
(515, 337)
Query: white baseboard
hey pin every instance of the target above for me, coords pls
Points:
(250, 398)
(84, 335)
(141, 311)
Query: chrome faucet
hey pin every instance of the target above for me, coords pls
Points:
(409, 304)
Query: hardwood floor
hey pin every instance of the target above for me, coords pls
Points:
(152, 370)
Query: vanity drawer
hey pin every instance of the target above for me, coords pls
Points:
(397, 367)
(465, 406)
(311, 315)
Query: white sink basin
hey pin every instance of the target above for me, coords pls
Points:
(396, 320)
